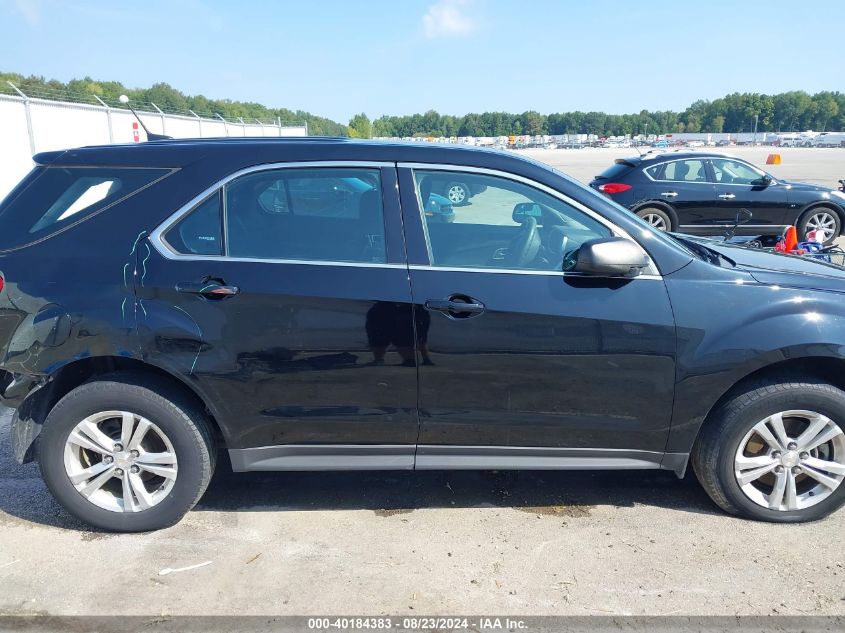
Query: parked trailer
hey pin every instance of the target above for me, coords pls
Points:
(830, 139)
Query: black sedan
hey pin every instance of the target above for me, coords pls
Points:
(701, 192)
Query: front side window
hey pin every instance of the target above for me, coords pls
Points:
(734, 172)
(691, 170)
(321, 214)
(506, 225)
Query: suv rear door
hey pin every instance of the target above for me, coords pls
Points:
(685, 185)
(283, 295)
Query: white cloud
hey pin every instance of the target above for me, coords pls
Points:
(447, 19)
(29, 10)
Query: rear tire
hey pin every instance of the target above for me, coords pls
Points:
(658, 218)
(732, 455)
(458, 193)
(820, 217)
(170, 464)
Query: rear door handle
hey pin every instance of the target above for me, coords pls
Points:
(456, 306)
(669, 194)
(208, 289)
(727, 196)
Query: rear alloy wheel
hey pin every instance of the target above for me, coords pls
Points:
(120, 461)
(776, 452)
(458, 193)
(126, 453)
(657, 218)
(820, 219)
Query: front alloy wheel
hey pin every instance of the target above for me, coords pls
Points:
(775, 450)
(120, 461)
(791, 460)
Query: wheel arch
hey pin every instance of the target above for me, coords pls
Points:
(827, 368)
(32, 412)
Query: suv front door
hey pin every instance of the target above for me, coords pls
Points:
(295, 319)
(524, 365)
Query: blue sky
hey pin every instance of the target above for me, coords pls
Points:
(336, 58)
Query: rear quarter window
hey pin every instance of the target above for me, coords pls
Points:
(54, 198)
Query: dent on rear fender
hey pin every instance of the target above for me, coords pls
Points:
(169, 334)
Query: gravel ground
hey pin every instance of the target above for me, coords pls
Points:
(572, 543)
(544, 543)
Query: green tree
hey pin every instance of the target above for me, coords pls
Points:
(360, 126)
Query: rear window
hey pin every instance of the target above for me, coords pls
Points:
(614, 171)
(53, 198)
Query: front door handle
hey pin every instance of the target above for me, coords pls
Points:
(208, 289)
(727, 196)
(456, 306)
(669, 194)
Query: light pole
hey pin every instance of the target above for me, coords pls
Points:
(755, 128)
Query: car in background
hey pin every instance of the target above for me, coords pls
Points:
(459, 192)
(439, 209)
(700, 193)
(830, 139)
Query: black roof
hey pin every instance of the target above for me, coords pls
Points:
(658, 157)
(256, 150)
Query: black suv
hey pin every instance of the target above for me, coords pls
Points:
(700, 193)
(288, 300)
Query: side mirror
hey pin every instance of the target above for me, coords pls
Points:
(524, 210)
(611, 257)
(763, 181)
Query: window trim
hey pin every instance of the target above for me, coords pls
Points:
(704, 162)
(161, 245)
(221, 205)
(742, 162)
(614, 229)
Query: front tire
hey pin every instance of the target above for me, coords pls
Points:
(823, 218)
(658, 218)
(126, 453)
(776, 452)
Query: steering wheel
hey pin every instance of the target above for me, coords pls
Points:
(525, 246)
